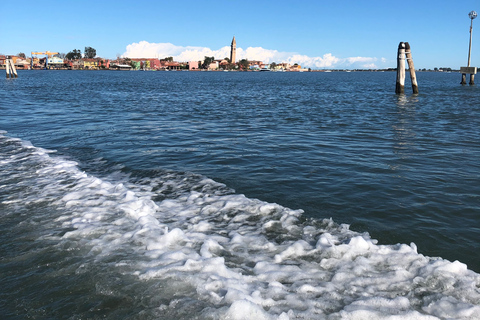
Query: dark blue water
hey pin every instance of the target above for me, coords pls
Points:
(404, 168)
(340, 145)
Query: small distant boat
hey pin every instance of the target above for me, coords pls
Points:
(264, 69)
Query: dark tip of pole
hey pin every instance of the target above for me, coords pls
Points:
(401, 45)
(407, 46)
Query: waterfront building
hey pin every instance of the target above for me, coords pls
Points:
(282, 66)
(147, 63)
(169, 65)
(214, 65)
(119, 64)
(55, 62)
(77, 64)
(296, 67)
(91, 64)
(104, 63)
(255, 64)
(193, 65)
(222, 63)
(22, 64)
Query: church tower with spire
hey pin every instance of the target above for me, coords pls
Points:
(233, 50)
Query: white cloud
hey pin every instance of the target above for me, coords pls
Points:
(369, 66)
(261, 54)
(352, 60)
(327, 61)
(144, 49)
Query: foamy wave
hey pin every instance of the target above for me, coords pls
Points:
(242, 258)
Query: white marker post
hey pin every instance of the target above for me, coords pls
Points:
(400, 85)
(10, 68)
(411, 68)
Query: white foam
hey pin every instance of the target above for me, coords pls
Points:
(246, 310)
(248, 259)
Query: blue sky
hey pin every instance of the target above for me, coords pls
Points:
(317, 34)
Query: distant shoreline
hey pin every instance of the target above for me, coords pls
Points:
(323, 70)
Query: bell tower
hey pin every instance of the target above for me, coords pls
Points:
(233, 50)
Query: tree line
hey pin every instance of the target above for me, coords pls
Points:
(243, 64)
(76, 54)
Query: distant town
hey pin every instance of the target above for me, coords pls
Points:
(75, 60)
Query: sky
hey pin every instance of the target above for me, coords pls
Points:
(315, 34)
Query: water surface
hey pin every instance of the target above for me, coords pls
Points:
(133, 182)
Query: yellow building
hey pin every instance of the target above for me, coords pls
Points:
(91, 64)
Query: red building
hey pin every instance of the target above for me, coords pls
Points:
(154, 64)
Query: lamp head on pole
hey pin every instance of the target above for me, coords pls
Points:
(472, 14)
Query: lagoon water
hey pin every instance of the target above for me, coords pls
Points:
(229, 195)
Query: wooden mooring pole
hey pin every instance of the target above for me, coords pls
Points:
(10, 68)
(411, 68)
(404, 52)
(400, 85)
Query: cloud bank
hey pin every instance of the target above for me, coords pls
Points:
(144, 49)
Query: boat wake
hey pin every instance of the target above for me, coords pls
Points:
(166, 244)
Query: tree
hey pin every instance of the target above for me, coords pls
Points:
(207, 61)
(74, 55)
(244, 64)
(60, 55)
(169, 59)
(230, 65)
(273, 65)
(90, 53)
(21, 55)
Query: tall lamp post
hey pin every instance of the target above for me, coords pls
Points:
(472, 15)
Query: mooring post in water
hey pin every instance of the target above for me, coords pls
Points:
(400, 86)
(10, 68)
(411, 67)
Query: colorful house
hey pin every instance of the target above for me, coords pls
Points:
(154, 64)
(91, 64)
(193, 65)
(103, 63)
(146, 63)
